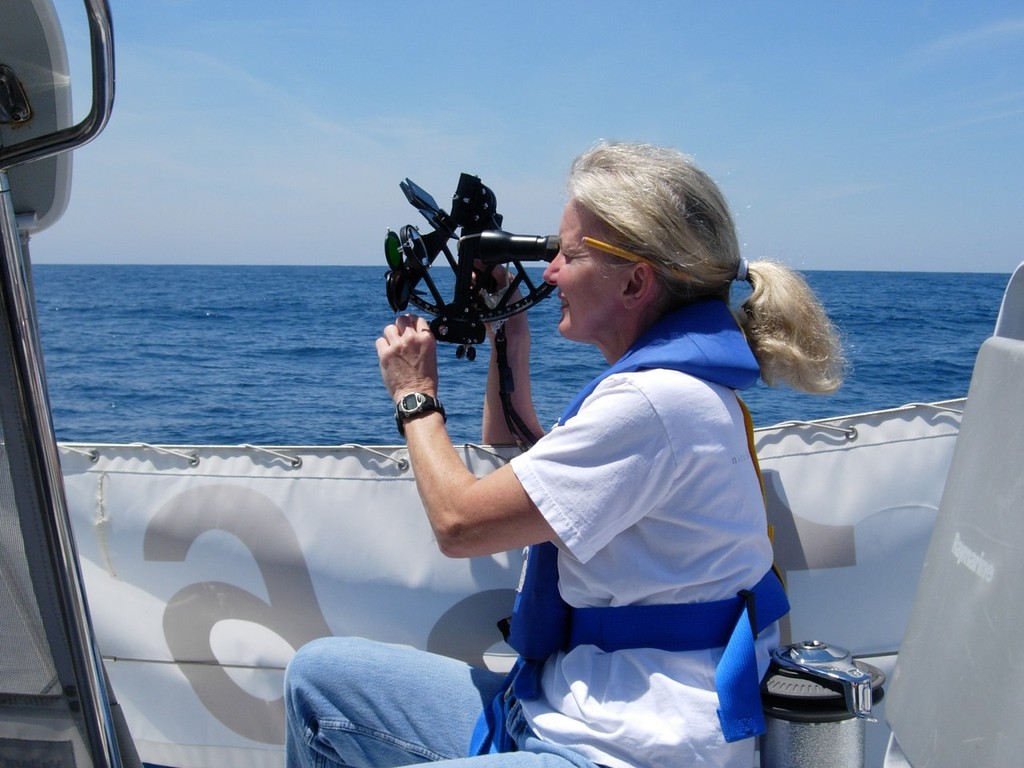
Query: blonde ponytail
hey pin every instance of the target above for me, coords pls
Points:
(792, 337)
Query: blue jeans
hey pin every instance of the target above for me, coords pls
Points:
(363, 704)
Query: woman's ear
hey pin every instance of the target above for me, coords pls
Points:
(641, 285)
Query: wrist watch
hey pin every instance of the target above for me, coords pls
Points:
(415, 404)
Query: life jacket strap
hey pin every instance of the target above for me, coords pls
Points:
(490, 735)
(733, 623)
(677, 626)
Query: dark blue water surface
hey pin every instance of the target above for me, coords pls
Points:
(285, 355)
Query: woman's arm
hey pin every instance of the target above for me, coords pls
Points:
(495, 429)
(470, 516)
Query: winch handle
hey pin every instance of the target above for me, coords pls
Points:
(829, 662)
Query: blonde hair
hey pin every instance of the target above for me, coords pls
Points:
(789, 331)
(663, 208)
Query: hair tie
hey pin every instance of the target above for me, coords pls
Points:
(743, 270)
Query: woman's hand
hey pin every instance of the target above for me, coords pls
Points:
(407, 352)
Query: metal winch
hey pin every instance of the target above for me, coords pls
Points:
(816, 702)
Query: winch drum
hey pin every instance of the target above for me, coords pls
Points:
(813, 716)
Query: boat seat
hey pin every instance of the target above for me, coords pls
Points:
(957, 690)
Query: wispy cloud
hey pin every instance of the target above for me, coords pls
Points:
(980, 119)
(971, 41)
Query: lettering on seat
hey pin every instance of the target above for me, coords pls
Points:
(971, 560)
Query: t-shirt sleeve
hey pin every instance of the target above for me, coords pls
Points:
(591, 477)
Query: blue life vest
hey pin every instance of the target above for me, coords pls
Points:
(705, 341)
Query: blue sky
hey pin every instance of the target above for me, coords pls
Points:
(846, 135)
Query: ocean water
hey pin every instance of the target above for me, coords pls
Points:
(285, 355)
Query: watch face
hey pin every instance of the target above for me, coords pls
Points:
(411, 402)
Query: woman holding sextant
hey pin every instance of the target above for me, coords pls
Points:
(648, 607)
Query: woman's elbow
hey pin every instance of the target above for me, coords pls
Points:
(454, 540)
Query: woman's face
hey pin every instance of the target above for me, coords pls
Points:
(591, 297)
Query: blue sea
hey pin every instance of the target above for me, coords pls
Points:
(284, 355)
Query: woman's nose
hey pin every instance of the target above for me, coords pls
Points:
(551, 270)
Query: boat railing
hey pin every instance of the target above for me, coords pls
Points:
(950, 406)
(102, 55)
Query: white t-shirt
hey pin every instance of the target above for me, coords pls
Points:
(652, 491)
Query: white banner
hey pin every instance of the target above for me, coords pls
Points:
(852, 503)
(207, 567)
